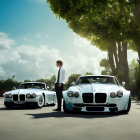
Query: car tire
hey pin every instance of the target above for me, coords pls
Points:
(9, 105)
(65, 108)
(128, 107)
(40, 102)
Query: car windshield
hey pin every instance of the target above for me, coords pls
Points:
(32, 85)
(96, 79)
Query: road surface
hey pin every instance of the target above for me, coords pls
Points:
(45, 124)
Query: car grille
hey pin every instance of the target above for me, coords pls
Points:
(22, 97)
(87, 97)
(15, 97)
(100, 97)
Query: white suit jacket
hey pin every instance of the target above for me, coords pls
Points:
(61, 77)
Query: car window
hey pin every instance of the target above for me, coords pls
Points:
(96, 79)
(32, 85)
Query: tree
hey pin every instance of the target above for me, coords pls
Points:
(107, 70)
(135, 26)
(71, 78)
(27, 80)
(105, 23)
(49, 82)
(8, 84)
(88, 73)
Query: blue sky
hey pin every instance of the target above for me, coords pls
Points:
(28, 17)
(32, 39)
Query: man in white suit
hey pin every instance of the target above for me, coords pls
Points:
(59, 83)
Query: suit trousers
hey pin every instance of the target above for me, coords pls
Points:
(59, 94)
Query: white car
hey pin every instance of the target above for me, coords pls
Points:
(30, 93)
(97, 94)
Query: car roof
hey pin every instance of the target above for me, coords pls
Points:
(33, 83)
(97, 75)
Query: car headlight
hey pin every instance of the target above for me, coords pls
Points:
(119, 93)
(70, 94)
(28, 95)
(76, 94)
(33, 95)
(10, 95)
(113, 94)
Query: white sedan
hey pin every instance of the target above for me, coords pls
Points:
(97, 94)
(35, 94)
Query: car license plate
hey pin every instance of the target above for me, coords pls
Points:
(19, 103)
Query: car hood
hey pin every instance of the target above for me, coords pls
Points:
(96, 88)
(24, 91)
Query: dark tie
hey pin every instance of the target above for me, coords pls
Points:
(58, 76)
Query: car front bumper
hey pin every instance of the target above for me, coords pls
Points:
(19, 102)
(95, 108)
(111, 105)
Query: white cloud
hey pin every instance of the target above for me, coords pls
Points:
(85, 57)
(34, 62)
(3, 35)
(5, 42)
(37, 35)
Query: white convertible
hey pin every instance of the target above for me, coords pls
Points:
(30, 93)
(97, 94)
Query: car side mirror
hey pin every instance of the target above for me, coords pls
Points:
(73, 83)
(48, 87)
(123, 83)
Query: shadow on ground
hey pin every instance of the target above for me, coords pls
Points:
(21, 108)
(75, 115)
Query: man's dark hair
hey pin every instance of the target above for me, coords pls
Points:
(59, 62)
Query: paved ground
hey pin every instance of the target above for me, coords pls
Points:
(44, 124)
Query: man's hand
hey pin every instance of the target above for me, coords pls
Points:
(59, 85)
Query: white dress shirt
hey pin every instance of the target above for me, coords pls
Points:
(61, 76)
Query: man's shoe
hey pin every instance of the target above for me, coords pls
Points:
(57, 109)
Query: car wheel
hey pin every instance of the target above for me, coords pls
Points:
(40, 102)
(9, 105)
(65, 108)
(128, 107)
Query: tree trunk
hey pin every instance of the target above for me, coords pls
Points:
(116, 56)
(138, 55)
(111, 59)
(118, 61)
(125, 66)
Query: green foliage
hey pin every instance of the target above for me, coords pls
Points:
(89, 73)
(137, 76)
(11, 84)
(28, 80)
(49, 82)
(8, 84)
(97, 20)
(107, 69)
(14, 88)
(72, 78)
(104, 63)
(103, 23)
(132, 73)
